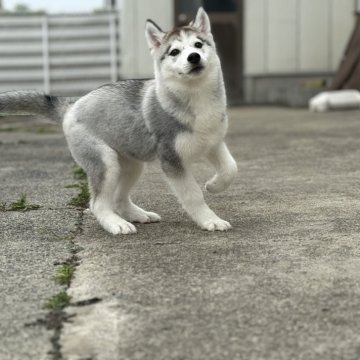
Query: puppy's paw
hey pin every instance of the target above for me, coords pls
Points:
(153, 217)
(144, 217)
(122, 227)
(134, 213)
(222, 181)
(116, 225)
(216, 225)
(215, 185)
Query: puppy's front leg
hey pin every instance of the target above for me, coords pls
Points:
(191, 197)
(225, 166)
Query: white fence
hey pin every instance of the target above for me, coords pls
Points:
(62, 55)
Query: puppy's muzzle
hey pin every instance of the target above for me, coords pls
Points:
(194, 58)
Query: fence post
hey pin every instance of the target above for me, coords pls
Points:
(113, 47)
(45, 53)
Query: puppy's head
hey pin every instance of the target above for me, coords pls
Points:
(185, 53)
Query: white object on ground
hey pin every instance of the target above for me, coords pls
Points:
(340, 99)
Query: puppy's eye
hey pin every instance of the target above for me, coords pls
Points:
(174, 52)
(198, 45)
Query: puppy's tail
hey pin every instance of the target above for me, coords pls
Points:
(34, 103)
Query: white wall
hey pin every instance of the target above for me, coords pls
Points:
(135, 57)
(296, 36)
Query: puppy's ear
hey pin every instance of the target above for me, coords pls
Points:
(154, 35)
(202, 21)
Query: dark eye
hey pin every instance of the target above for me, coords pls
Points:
(174, 52)
(198, 45)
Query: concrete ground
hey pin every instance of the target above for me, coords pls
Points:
(283, 284)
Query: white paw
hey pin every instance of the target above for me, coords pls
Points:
(216, 225)
(222, 180)
(136, 214)
(215, 185)
(153, 217)
(144, 217)
(115, 225)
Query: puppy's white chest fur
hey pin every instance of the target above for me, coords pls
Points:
(208, 130)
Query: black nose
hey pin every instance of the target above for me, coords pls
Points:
(194, 58)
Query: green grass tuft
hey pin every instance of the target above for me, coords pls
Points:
(64, 274)
(79, 173)
(19, 205)
(83, 198)
(59, 301)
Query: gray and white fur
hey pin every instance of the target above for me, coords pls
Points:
(178, 118)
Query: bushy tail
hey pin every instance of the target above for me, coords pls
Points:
(35, 103)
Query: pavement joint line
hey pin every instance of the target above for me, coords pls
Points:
(86, 302)
(59, 316)
(55, 318)
(42, 209)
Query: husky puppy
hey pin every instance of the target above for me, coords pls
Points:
(178, 118)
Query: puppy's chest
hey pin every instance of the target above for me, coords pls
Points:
(206, 131)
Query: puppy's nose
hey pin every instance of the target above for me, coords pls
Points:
(194, 58)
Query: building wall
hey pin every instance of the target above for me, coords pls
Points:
(296, 36)
(136, 61)
(293, 47)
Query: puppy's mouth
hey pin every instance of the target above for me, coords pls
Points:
(197, 69)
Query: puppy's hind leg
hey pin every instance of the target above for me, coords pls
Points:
(130, 171)
(101, 165)
(103, 173)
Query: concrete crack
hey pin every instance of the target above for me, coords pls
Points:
(56, 317)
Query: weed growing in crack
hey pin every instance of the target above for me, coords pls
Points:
(58, 301)
(79, 173)
(65, 274)
(81, 200)
(19, 205)
(83, 197)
